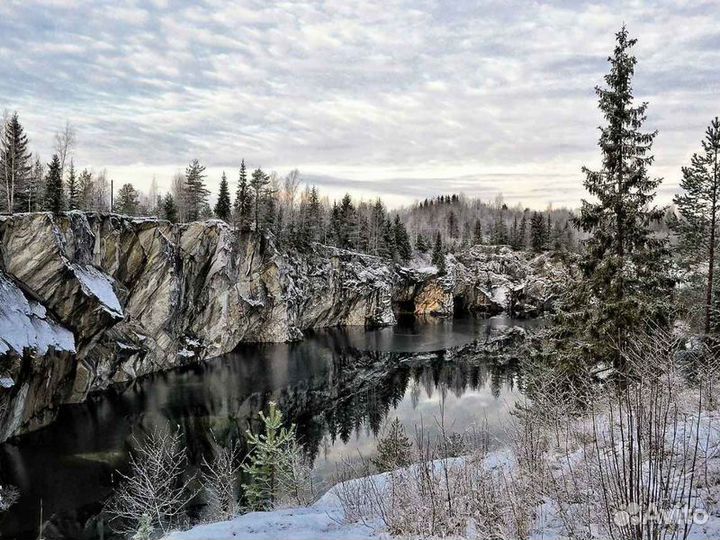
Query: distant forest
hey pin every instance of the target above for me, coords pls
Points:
(256, 200)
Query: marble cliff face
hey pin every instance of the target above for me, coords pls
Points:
(88, 300)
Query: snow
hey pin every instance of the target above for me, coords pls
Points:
(100, 285)
(24, 324)
(7, 382)
(313, 523)
(325, 519)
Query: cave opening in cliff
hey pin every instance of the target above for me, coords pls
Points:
(460, 307)
(405, 307)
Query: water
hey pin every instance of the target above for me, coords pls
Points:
(338, 386)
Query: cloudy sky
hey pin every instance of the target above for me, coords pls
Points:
(404, 98)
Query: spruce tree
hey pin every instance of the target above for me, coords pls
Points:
(421, 244)
(699, 207)
(222, 207)
(35, 188)
(438, 254)
(73, 188)
(625, 283)
(402, 241)
(394, 449)
(268, 465)
(478, 233)
(169, 209)
(54, 196)
(127, 200)
(242, 207)
(258, 183)
(538, 232)
(196, 194)
(15, 165)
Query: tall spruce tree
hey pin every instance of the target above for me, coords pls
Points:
(242, 207)
(625, 284)
(169, 209)
(699, 209)
(222, 207)
(73, 188)
(538, 232)
(15, 165)
(438, 254)
(54, 193)
(478, 233)
(196, 194)
(402, 241)
(259, 184)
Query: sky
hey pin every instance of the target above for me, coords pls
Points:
(400, 98)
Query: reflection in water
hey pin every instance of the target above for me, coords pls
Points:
(338, 386)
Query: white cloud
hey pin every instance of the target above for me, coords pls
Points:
(447, 95)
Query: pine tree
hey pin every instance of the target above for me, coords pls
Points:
(73, 188)
(268, 465)
(243, 201)
(196, 194)
(259, 184)
(169, 209)
(699, 209)
(625, 283)
(438, 254)
(15, 165)
(54, 196)
(394, 449)
(222, 207)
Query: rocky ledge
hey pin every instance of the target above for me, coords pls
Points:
(87, 300)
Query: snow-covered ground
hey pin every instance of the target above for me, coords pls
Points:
(327, 520)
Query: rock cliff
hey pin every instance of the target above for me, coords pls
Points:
(87, 300)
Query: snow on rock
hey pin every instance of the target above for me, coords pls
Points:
(314, 523)
(100, 285)
(24, 324)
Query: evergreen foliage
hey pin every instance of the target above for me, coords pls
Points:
(127, 200)
(438, 254)
(259, 185)
(54, 193)
(222, 207)
(15, 165)
(624, 285)
(698, 207)
(242, 207)
(394, 449)
(169, 209)
(267, 465)
(195, 193)
(73, 188)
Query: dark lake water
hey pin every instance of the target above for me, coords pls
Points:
(338, 386)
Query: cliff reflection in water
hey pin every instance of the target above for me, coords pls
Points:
(338, 386)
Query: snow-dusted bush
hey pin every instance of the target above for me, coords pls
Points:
(9, 495)
(155, 492)
(639, 448)
(219, 477)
